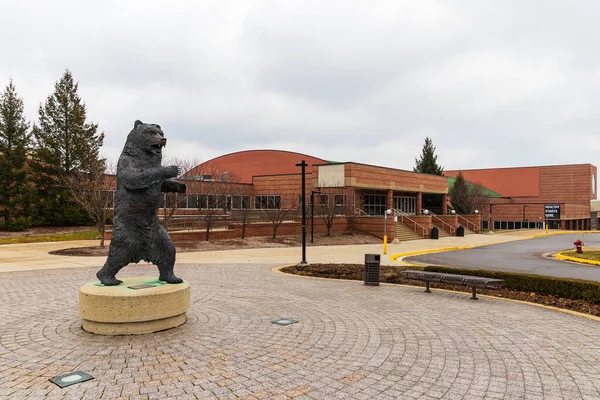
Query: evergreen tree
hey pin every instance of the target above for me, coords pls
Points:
(428, 162)
(466, 197)
(459, 194)
(15, 142)
(64, 144)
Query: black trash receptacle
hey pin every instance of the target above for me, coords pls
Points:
(372, 262)
(460, 231)
(435, 233)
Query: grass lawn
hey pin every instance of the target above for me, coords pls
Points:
(57, 237)
(586, 255)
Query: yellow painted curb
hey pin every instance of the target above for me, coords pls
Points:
(562, 310)
(564, 233)
(394, 257)
(564, 257)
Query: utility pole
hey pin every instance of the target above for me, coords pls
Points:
(303, 165)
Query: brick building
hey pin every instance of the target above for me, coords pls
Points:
(558, 195)
(270, 179)
(266, 184)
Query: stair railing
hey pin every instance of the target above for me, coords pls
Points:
(361, 213)
(402, 216)
(450, 229)
(467, 223)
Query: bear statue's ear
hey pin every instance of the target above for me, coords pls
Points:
(137, 123)
(158, 126)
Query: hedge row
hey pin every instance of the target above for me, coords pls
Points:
(562, 287)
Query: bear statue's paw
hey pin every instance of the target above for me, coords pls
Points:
(108, 280)
(170, 279)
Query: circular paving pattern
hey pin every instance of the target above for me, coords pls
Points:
(351, 341)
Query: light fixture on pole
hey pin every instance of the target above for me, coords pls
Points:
(452, 212)
(312, 214)
(387, 212)
(303, 164)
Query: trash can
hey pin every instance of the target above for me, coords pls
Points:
(460, 231)
(372, 262)
(435, 233)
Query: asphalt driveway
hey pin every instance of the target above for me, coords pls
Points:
(525, 256)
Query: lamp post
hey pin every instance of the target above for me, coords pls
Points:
(387, 212)
(312, 214)
(303, 164)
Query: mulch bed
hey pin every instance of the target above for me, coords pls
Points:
(391, 274)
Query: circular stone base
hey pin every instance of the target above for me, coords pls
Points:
(124, 310)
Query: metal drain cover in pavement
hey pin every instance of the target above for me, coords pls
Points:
(71, 378)
(284, 321)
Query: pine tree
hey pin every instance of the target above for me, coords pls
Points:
(428, 162)
(15, 142)
(459, 194)
(466, 197)
(64, 144)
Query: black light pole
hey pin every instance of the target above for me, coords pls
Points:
(312, 214)
(303, 164)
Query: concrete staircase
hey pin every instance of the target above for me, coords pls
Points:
(404, 233)
(468, 231)
(442, 232)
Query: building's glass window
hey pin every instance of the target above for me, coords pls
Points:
(240, 202)
(193, 200)
(324, 199)
(267, 202)
(406, 204)
(339, 199)
(374, 204)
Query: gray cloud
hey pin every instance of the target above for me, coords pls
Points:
(493, 83)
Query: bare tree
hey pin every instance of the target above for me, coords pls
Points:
(172, 201)
(240, 205)
(350, 212)
(277, 206)
(94, 192)
(213, 201)
(332, 205)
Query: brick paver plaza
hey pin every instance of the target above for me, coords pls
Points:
(351, 341)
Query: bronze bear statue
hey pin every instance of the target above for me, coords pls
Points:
(137, 234)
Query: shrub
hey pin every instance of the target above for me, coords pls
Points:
(18, 225)
(562, 287)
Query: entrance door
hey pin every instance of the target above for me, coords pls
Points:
(405, 204)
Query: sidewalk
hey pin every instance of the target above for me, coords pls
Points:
(34, 256)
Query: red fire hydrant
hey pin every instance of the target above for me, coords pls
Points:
(578, 244)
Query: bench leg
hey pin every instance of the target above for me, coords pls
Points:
(473, 290)
(427, 287)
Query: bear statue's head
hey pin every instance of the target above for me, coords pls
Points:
(145, 138)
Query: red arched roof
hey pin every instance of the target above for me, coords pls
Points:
(243, 165)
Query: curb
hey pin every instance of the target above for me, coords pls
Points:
(562, 256)
(394, 257)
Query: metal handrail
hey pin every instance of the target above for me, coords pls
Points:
(475, 227)
(452, 229)
(403, 215)
(361, 212)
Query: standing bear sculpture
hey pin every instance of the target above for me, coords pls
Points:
(137, 234)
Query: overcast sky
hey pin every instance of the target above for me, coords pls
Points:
(493, 83)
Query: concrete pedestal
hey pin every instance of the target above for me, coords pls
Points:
(123, 310)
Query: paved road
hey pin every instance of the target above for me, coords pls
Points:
(352, 341)
(520, 256)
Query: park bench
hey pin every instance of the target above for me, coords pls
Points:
(465, 280)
